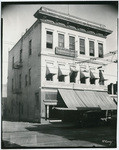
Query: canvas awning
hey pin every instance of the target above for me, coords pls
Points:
(73, 68)
(103, 76)
(78, 99)
(62, 70)
(94, 74)
(84, 74)
(50, 69)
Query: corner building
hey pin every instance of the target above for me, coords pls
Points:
(56, 69)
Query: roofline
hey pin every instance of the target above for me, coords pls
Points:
(24, 34)
(69, 18)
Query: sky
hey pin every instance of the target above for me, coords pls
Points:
(18, 18)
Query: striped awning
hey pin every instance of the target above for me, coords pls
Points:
(77, 99)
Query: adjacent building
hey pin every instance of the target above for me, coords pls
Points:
(56, 69)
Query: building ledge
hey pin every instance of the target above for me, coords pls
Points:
(72, 22)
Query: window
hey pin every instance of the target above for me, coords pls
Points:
(49, 40)
(12, 62)
(73, 77)
(21, 55)
(91, 48)
(12, 84)
(61, 40)
(49, 77)
(82, 46)
(61, 78)
(30, 47)
(92, 80)
(83, 80)
(101, 80)
(37, 100)
(30, 76)
(26, 80)
(71, 43)
(100, 50)
(20, 81)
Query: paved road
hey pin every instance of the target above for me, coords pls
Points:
(21, 134)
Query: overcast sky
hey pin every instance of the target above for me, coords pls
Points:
(16, 18)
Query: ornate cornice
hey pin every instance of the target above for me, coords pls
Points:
(70, 23)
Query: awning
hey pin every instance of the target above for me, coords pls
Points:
(94, 74)
(115, 100)
(73, 68)
(105, 101)
(71, 99)
(103, 76)
(50, 69)
(62, 70)
(84, 74)
(78, 99)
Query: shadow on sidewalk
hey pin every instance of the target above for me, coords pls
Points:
(104, 136)
(7, 144)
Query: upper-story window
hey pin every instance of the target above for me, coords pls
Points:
(12, 84)
(101, 79)
(20, 81)
(91, 48)
(82, 46)
(26, 80)
(49, 40)
(60, 40)
(100, 50)
(30, 47)
(12, 62)
(20, 55)
(30, 76)
(71, 43)
(49, 77)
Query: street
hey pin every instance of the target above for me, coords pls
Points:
(57, 134)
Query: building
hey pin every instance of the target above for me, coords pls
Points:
(57, 69)
(112, 90)
(4, 101)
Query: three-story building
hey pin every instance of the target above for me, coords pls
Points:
(57, 65)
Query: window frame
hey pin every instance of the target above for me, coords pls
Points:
(20, 81)
(90, 48)
(62, 43)
(29, 76)
(30, 47)
(47, 42)
(26, 80)
(71, 44)
(12, 84)
(102, 55)
(20, 59)
(13, 62)
(81, 52)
